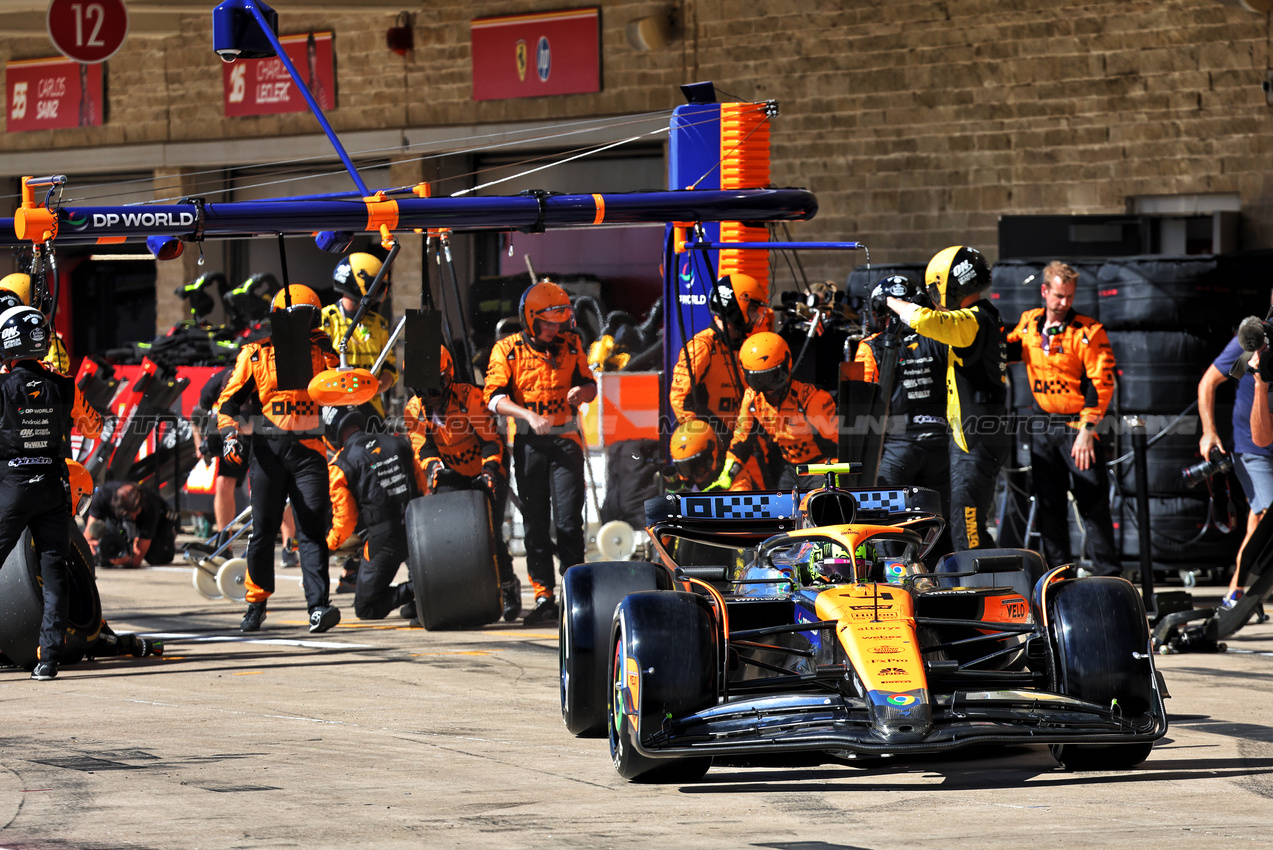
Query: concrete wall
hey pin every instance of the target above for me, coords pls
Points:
(917, 123)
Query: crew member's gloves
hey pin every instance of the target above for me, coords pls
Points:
(491, 479)
(432, 469)
(726, 477)
(232, 449)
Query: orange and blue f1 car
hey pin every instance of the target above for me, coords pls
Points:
(782, 627)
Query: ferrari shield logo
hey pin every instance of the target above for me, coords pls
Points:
(521, 59)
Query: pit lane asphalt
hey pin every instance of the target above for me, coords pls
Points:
(381, 735)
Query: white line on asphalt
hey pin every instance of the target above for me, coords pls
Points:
(309, 644)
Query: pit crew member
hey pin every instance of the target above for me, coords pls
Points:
(371, 476)
(976, 382)
(800, 418)
(352, 278)
(918, 453)
(38, 408)
(539, 377)
(457, 446)
(287, 460)
(1070, 366)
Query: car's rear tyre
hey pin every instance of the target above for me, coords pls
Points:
(22, 601)
(451, 558)
(668, 641)
(589, 595)
(1101, 642)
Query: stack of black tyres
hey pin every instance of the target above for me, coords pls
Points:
(1167, 318)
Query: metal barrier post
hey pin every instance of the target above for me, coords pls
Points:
(1140, 451)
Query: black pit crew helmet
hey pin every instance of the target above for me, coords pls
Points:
(24, 334)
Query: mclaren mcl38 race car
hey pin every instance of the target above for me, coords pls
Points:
(794, 628)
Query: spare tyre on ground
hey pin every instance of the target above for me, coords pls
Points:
(451, 558)
(22, 601)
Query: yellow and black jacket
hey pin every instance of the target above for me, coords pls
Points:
(365, 343)
(976, 369)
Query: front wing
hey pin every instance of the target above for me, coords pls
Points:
(830, 723)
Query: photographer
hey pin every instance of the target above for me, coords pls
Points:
(1254, 462)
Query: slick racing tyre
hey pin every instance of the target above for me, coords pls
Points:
(1101, 643)
(22, 601)
(1176, 293)
(1158, 371)
(1013, 292)
(589, 595)
(666, 665)
(451, 558)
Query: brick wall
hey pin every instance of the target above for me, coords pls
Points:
(917, 123)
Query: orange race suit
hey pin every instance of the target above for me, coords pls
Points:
(804, 426)
(1072, 382)
(549, 467)
(538, 378)
(462, 438)
(253, 383)
(462, 435)
(287, 460)
(1075, 375)
(707, 383)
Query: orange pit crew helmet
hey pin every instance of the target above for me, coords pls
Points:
(301, 297)
(693, 446)
(545, 300)
(766, 362)
(738, 300)
(447, 368)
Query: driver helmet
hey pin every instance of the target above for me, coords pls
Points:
(24, 334)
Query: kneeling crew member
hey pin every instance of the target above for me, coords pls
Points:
(458, 446)
(799, 417)
(372, 476)
(38, 407)
(287, 460)
(1071, 370)
(976, 383)
(697, 459)
(540, 377)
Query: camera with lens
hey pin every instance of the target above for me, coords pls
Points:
(1218, 463)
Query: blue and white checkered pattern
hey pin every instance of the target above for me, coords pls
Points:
(880, 500)
(739, 506)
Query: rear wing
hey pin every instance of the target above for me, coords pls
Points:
(768, 512)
